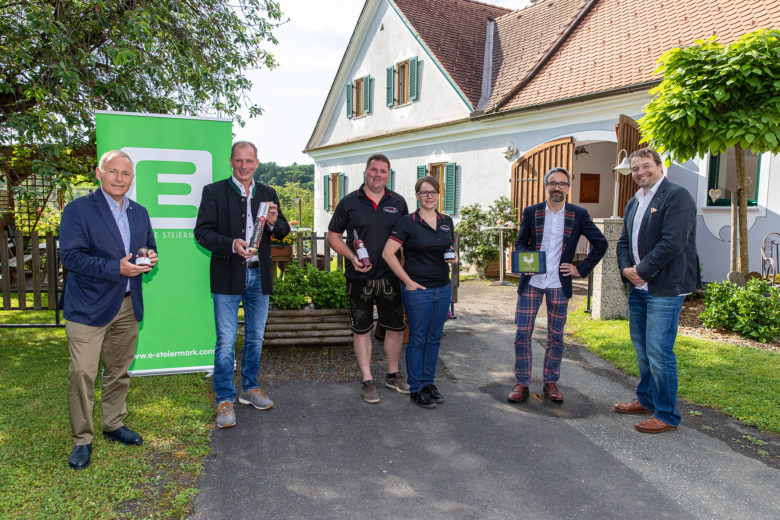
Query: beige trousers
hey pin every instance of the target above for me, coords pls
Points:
(117, 341)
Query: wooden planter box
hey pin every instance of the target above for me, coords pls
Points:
(308, 327)
(281, 253)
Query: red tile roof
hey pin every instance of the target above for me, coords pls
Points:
(618, 43)
(454, 30)
(522, 37)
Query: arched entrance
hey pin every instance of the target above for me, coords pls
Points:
(590, 159)
(528, 171)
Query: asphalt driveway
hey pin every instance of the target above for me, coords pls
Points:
(323, 453)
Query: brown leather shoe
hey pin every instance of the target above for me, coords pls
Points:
(552, 393)
(632, 408)
(518, 394)
(654, 425)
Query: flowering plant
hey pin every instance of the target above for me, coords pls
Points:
(286, 241)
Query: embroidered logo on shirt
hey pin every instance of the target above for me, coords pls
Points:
(444, 227)
(390, 209)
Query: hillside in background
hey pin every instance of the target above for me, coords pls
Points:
(274, 175)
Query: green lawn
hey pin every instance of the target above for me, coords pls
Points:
(173, 413)
(742, 382)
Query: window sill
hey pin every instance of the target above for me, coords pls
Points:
(402, 105)
(358, 117)
(726, 208)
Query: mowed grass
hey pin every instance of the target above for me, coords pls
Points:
(155, 480)
(742, 382)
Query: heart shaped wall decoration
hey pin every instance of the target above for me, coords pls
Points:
(715, 194)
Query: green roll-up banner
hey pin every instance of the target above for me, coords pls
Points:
(174, 158)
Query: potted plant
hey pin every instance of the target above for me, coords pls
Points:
(281, 250)
(479, 246)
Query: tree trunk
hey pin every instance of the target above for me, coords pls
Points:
(739, 154)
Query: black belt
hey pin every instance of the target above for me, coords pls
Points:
(127, 294)
(253, 265)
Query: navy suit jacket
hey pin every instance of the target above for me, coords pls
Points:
(222, 219)
(90, 249)
(576, 222)
(667, 242)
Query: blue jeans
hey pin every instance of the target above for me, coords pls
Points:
(226, 319)
(653, 325)
(426, 311)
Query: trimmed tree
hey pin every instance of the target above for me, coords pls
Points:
(62, 61)
(714, 97)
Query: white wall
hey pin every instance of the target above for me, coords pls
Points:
(389, 41)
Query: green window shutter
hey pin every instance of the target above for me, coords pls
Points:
(342, 185)
(450, 188)
(413, 78)
(420, 174)
(390, 85)
(349, 100)
(326, 192)
(392, 180)
(367, 94)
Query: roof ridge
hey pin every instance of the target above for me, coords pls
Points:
(529, 6)
(549, 54)
(508, 10)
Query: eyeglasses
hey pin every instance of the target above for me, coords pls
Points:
(558, 184)
(428, 193)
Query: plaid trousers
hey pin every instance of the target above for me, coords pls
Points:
(525, 315)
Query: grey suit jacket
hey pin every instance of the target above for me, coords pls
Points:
(667, 242)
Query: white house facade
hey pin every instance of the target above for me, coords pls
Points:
(487, 99)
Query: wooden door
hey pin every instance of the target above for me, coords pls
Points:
(628, 138)
(528, 172)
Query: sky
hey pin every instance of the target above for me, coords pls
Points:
(311, 45)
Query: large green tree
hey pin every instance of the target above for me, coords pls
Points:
(60, 61)
(713, 97)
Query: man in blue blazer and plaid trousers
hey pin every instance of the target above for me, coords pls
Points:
(554, 227)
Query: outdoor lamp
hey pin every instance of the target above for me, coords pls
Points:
(510, 151)
(623, 168)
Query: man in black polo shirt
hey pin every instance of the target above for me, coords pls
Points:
(372, 210)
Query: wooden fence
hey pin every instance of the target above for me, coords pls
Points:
(28, 264)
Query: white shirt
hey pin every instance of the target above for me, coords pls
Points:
(552, 245)
(250, 222)
(644, 200)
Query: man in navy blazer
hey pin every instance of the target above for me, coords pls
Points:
(100, 234)
(554, 227)
(657, 258)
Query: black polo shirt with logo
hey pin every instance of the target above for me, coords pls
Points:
(373, 223)
(424, 248)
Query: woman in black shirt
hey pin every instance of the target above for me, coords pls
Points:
(426, 235)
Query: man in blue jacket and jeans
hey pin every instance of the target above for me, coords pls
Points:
(657, 259)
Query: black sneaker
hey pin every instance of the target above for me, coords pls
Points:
(422, 398)
(433, 392)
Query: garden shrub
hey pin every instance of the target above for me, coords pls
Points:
(753, 311)
(327, 289)
(300, 286)
(289, 292)
(477, 246)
